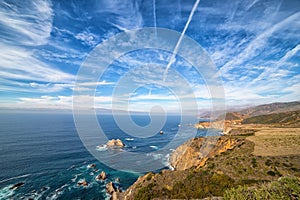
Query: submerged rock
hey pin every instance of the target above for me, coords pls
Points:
(17, 185)
(83, 183)
(115, 143)
(92, 165)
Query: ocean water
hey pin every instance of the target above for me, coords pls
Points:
(45, 152)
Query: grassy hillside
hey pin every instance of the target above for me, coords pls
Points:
(283, 188)
(223, 175)
(286, 118)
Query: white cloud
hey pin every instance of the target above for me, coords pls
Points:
(88, 38)
(125, 15)
(18, 63)
(27, 25)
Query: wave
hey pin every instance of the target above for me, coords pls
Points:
(57, 193)
(154, 147)
(129, 139)
(16, 177)
(37, 194)
(6, 192)
(167, 163)
(101, 147)
(156, 156)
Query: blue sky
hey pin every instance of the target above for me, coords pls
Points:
(255, 45)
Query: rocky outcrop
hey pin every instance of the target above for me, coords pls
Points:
(189, 156)
(225, 125)
(83, 183)
(17, 185)
(195, 152)
(101, 176)
(113, 191)
(115, 143)
(92, 165)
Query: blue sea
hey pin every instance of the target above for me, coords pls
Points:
(44, 151)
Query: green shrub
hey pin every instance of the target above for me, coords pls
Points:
(271, 173)
(268, 162)
(284, 188)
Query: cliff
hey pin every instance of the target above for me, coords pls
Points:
(196, 151)
(229, 163)
(186, 157)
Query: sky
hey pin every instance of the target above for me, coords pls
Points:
(254, 44)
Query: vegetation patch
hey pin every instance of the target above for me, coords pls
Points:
(283, 188)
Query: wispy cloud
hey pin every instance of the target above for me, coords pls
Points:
(29, 25)
(18, 63)
(257, 44)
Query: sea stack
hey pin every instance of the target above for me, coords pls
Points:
(101, 176)
(115, 143)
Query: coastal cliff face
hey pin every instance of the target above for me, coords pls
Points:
(231, 162)
(190, 155)
(195, 152)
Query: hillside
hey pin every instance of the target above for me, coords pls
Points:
(291, 119)
(270, 108)
(223, 173)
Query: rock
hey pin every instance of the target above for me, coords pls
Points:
(17, 185)
(111, 188)
(115, 143)
(113, 191)
(92, 165)
(101, 176)
(83, 183)
(195, 152)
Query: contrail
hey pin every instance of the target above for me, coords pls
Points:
(154, 15)
(172, 59)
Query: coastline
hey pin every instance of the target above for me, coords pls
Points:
(237, 147)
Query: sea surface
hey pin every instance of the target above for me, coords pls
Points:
(44, 151)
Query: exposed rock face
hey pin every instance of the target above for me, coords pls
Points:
(195, 152)
(115, 143)
(112, 190)
(224, 125)
(101, 176)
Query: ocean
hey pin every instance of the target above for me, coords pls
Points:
(44, 151)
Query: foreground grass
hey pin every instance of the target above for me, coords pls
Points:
(284, 188)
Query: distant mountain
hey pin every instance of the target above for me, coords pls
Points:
(270, 109)
(291, 118)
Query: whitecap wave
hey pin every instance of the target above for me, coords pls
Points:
(156, 156)
(101, 147)
(129, 139)
(6, 192)
(154, 147)
(166, 162)
(16, 177)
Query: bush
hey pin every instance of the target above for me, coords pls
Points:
(284, 188)
(271, 173)
(268, 162)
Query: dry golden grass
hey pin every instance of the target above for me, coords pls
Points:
(276, 141)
